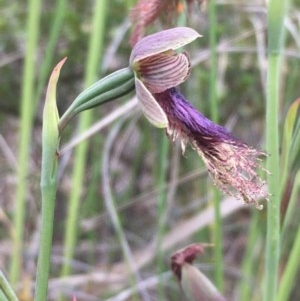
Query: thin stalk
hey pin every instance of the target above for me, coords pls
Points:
(217, 228)
(292, 209)
(27, 96)
(2, 296)
(139, 155)
(292, 267)
(290, 272)
(213, 61)
(276, 13)
(113, 213)
(161, 207)
(288, 139)
(94, 57)
(273, 212)
(7, 289)
(248, 269)
(55, 30)
(290, 132)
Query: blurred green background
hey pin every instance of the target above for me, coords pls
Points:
(163, 200)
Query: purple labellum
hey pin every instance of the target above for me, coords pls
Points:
(230, 162)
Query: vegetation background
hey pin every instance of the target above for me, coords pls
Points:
(127, 197)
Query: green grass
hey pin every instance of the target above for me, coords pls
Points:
(95, 50)
(214, 114)
(6, 291)
(27, 111)
(276, 14)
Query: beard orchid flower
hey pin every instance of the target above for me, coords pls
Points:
(158, 70)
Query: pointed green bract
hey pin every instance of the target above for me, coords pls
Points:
(150, 107)
(50, 122)
(50, 137)
(170, 39)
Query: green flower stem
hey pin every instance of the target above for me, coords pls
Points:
(115, 85)
(7, 289)
(50, 139)
(217, 227)
(276, 14)
(27, 96)
(48, 189)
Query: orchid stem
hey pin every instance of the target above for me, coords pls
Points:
(50, 143)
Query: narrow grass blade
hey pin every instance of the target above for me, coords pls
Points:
(7, 290)
(96, 45)
(55, 30)
(287, 140)
(293, 263)
(27, 97)
(217, 226)
(161, 208)
(276, 14)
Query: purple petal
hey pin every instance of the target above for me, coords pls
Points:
(170, 39)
